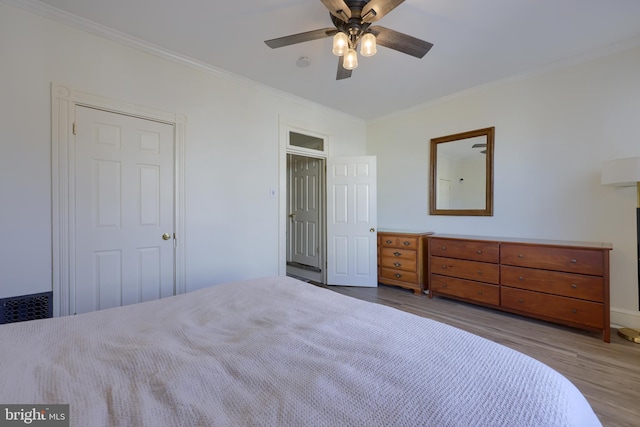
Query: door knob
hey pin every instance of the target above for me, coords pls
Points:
(373, 230)
(166, 236)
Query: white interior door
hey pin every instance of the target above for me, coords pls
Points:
(304, 207)
(124, 187)
(352, 221)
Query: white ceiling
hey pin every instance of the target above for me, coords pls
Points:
(475, 42)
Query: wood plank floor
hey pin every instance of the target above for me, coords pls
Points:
(607, 374)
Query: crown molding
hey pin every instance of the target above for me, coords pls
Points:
(583, 58)
(108, 33)
(103, 31)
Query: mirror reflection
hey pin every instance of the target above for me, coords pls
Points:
(462, 174)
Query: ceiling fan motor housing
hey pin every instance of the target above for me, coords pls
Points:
(355, 27)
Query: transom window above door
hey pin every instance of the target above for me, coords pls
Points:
(306, 143)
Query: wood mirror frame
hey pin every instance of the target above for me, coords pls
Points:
(480, 136)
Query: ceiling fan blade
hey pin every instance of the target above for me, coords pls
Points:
(336, 7)
(380, 7)
(400, 42)
(301, 37)
(343, 73)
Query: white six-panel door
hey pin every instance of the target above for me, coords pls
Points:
(124, 188)
(304, 207)
(352, 221)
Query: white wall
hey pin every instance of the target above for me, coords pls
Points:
(232, 147)
(553, 131)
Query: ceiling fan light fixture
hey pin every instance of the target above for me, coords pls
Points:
(340, 44)
(352, 21)
(368, 45)
(350, 60)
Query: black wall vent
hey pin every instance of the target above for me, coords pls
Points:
(26, 307)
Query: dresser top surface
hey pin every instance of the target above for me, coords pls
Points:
(568, 243)
(415, 233)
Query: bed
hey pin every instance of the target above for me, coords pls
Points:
(277, 352)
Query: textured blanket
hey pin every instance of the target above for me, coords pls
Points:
(277, 352)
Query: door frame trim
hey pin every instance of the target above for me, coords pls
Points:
(64, 100)
(285, 126)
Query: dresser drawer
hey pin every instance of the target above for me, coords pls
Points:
(553, 282)
(399, 275)
(583, 261)
(467, 289)
(399, 263)
(395, 241)
(465, 249)
(481, 271)
(556, 307)
(393, 253)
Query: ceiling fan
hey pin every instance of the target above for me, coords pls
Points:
(352, 20)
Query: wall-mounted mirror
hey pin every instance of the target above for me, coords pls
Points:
(461, 171)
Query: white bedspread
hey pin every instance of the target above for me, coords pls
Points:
(277, 352)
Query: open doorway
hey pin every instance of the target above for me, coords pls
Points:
(305, 200)
(347, 201)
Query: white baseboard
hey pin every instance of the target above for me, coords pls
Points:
(625, 318)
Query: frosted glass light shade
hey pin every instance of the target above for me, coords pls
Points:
(621, 172)
(340, 44)
(368, 45)
(350, 60)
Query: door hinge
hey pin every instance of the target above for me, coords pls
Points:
(74, 129)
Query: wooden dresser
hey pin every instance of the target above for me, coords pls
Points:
(402, 259)
(557, 281)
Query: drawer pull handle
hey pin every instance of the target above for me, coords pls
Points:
(574, 286)
(398, 275)
(573, 261)
(479, 251)
(397, 253)
(406, 243)
(397, 264)
(520, 277)
(389, 242)
(574, 311)
(444, 285)
(444, 267)
(520, 255)
(444, 248)
(480, 272)
(479, 292)
(521, 300)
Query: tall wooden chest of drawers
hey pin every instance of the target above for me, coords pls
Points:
(562, 282)
(402, 259)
